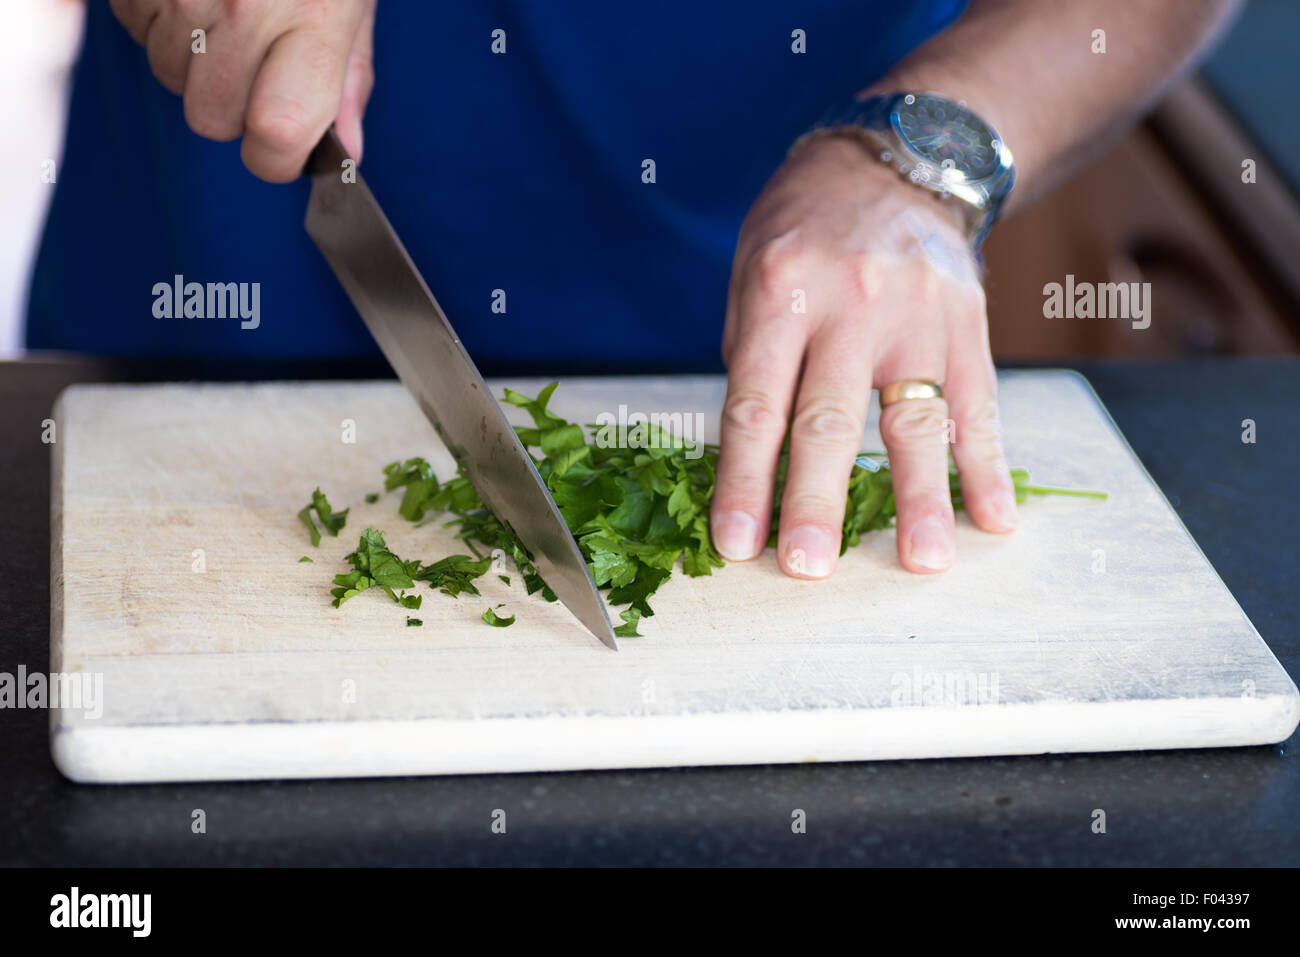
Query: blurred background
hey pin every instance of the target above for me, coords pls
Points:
(1167, 204)
(38, 48)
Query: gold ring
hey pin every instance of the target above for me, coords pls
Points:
(909, 389)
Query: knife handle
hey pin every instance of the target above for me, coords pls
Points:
(328, 156)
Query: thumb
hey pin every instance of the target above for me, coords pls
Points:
(357, 83)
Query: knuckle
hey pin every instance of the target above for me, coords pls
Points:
(980, 420)
(283, 123)
(865, 277)
(188, 10)
(776, 266)
(752, 412)
(812, 507)
(984, 457)
(828, 422)
(914, 421)
(238, 11)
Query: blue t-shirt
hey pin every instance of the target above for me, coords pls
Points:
(521, 171)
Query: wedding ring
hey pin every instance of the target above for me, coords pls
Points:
(909, 389)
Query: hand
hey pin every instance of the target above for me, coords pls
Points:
(890, 291)
(276, 72)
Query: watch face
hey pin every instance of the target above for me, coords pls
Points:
(947, 136)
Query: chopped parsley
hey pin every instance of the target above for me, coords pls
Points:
(637, 503)
(374, 566)
(330, 520)
(496, 621)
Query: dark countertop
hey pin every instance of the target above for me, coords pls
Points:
(1175, 808)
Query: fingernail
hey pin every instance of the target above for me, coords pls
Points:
(809, 551)
(1004, 506)
(931, 545)
(734, 534)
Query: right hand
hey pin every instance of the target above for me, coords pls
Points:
(276, 72)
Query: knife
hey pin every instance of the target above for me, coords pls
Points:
(413, 332)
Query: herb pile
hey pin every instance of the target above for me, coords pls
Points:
(637, 502)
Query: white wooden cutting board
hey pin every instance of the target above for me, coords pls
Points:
(1096, 626)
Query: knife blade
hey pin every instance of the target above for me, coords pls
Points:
(359, 243)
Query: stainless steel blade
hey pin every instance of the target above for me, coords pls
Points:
(372, 264)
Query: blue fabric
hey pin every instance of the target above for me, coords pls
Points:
(520, 172)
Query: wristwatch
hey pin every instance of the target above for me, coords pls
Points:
(936, 143)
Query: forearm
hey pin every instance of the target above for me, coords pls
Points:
(1028, 67)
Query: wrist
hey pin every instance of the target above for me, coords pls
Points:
(891, 191)
(936, 143)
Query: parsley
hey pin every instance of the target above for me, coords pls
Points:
(454, 574)
(496, 621)
(413, 622)
(637, 502)
(375, 566)
(304, 558)
(870, 505)
(330, 520)
(630, 617)
(372, 498)
(416, 476)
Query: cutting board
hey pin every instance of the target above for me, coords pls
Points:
(176, 580)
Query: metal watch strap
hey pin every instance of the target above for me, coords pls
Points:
(870, 118)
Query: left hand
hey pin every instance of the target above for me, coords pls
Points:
(890, 290)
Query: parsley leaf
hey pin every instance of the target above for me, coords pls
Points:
(330, 520)
(496, 621)
(454, 574)
(375, 566)
(630, 618)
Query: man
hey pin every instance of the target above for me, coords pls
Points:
(570, 177)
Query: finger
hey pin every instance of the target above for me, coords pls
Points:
(135, 16)
(825, 437)
(986, 489)
(220, 80)
(168, 42)
(763, 369)
(358, 81)
(914, 434)
(297, 92)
